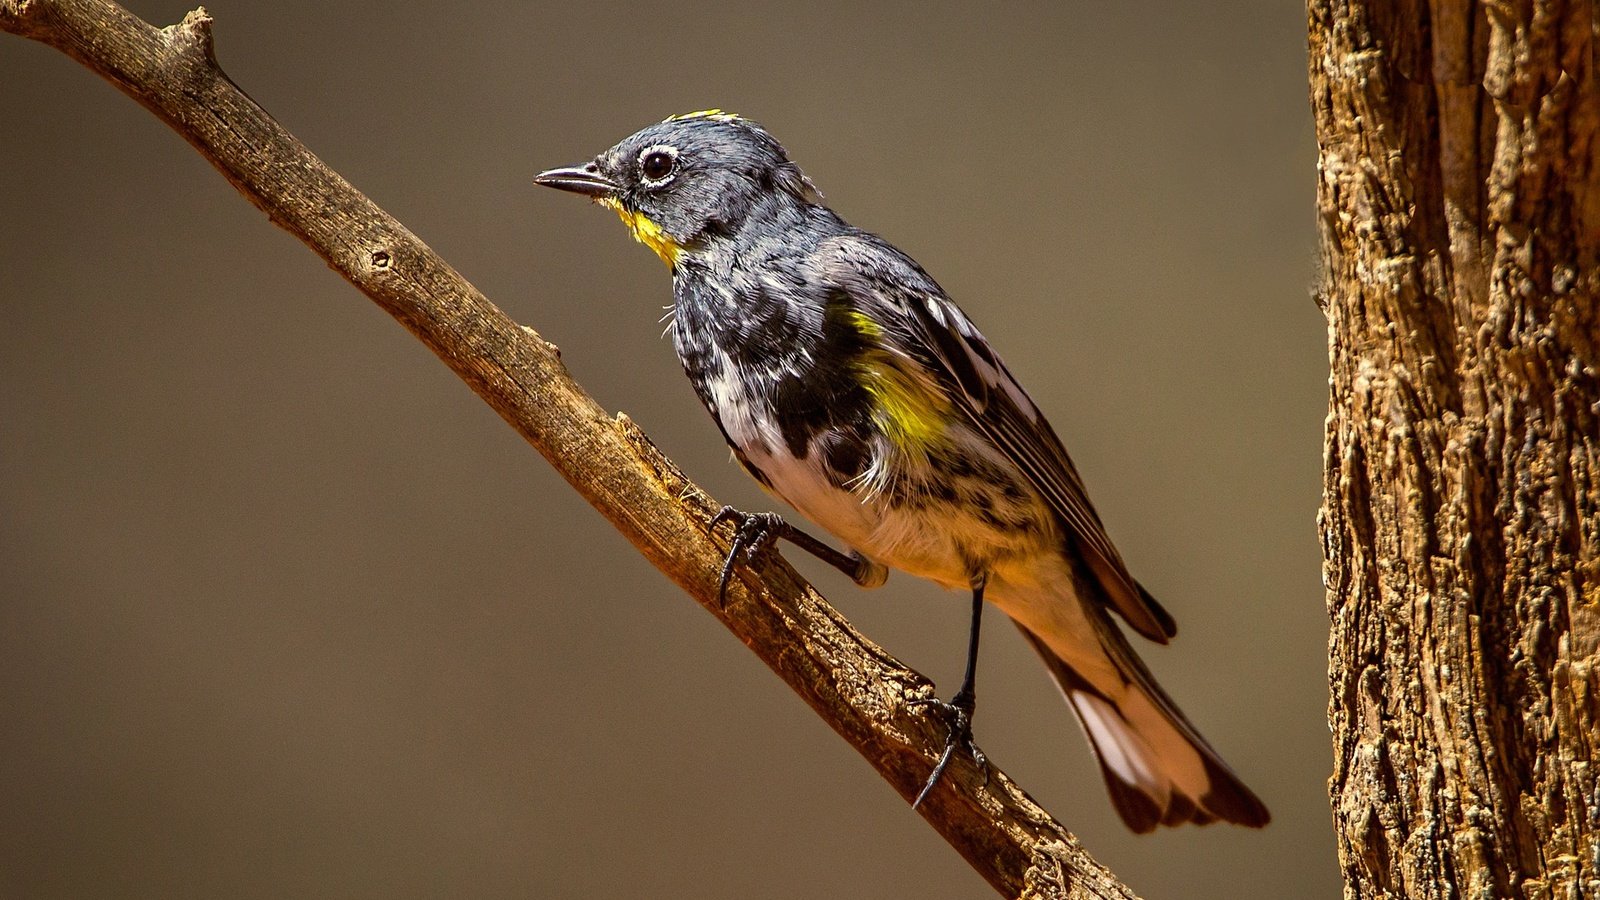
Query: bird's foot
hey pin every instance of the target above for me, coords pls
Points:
(958, 715)
(753, 535)
(867, 573)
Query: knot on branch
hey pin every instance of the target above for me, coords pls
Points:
(21, 17)
(191, 38)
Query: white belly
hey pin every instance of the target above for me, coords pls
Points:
(923, 521)
(938, 540)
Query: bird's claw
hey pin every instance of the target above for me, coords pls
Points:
(958, 713)
(868, 573)
(753, 534)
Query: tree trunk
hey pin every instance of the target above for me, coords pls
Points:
(1459, 207)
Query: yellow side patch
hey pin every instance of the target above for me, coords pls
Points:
(646, 232)
(911, 411)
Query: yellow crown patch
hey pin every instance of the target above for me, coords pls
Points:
(715, 114)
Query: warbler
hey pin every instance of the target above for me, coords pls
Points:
(850, 385)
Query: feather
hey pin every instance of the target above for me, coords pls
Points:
(991, 400)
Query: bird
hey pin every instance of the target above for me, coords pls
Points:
(850, 385)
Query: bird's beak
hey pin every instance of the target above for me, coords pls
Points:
(585, 180)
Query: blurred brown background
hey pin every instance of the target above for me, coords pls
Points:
(288, 612)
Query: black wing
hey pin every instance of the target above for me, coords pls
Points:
(992, 401)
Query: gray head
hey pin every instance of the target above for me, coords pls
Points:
(689, 180)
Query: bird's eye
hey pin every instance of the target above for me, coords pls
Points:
(657, 164)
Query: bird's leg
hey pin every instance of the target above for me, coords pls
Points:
(755, 533)
(962, 705)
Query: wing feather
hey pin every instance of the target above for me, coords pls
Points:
(993, 402)
(985, 393)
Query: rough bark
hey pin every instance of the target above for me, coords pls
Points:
(1459, 206)
(852, 684)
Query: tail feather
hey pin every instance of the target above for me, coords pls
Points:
(1157, 767)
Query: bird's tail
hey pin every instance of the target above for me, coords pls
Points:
(1158, 768)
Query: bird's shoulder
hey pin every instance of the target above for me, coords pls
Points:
(870, 273)
(848, 258)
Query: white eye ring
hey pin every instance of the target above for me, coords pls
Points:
(658, 164)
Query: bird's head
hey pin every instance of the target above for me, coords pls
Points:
(689, 180)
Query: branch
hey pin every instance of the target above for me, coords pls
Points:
(852, 684)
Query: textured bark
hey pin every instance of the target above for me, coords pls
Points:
(1459, 205)
(852, 684)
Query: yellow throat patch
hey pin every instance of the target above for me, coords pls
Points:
(646, 232)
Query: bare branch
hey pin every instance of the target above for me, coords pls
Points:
(852, 684)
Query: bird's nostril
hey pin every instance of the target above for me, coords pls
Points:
(591, 168)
